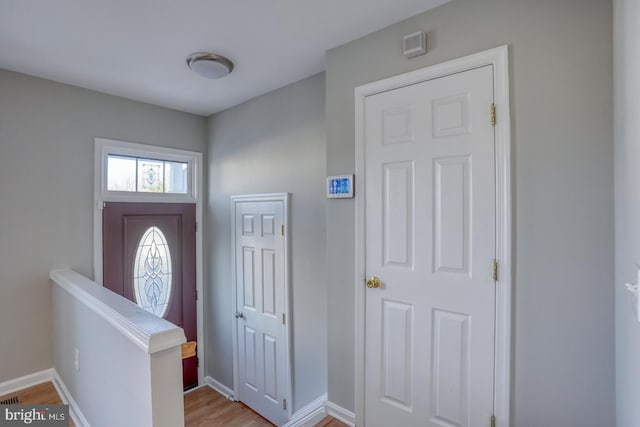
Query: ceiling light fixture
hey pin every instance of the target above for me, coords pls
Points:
(209, 65)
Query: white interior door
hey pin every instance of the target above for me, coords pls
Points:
(430, 239)
(261, 307)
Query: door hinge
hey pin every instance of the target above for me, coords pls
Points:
(196, 295)
(197, 362)
(493, 114)
(282, 230)
(493, 421)
(494, 269)
(284, 404)
(196, 227)
(283, 318)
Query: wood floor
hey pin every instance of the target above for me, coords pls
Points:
(330, 422)
(206, 407)
(41, 394)
(202, 407)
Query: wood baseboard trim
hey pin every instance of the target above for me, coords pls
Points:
(310, 414)
(26, 381)
(74, 410)
(219, 387)
(341, 414)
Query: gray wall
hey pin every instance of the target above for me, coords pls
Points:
(627, 207)
(272, 144)
(561, 74)
(46, 188)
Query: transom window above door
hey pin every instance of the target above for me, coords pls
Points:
(137, 172)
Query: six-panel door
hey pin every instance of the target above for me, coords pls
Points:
(430, 239)
(260, 307)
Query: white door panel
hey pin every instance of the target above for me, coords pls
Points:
(260, 298)
(430, 238)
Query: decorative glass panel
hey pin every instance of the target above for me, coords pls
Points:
(143, 175)
(152, 276)
(121, 173)
(150, 176)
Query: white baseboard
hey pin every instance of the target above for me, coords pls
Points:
(47, 375)
(74, 411)
(341, 414)
(191, 390)
(310, 414)
(219, 387)
(307, 416)
(26, 381)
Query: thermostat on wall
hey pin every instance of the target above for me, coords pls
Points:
(340, 187)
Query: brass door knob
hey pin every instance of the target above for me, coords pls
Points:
(373, 282)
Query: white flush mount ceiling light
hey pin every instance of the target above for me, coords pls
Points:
(209, 65)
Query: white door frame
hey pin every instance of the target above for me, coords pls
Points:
(274, 197)
(196, 189)
(499, 58)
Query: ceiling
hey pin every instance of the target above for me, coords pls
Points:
(137, 48)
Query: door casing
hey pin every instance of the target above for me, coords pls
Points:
(274, 197)
(101, 146)
(499, 58)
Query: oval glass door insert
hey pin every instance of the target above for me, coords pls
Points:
(152, 277)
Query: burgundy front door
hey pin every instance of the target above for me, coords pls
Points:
(149, 257)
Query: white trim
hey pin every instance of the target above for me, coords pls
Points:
(104, 147)
(149, 332)
(499, 58)
(195, 161)
(307, 416)
(504, 238)
(340, 414)
(74, 410)
(192, 389)
(219, 387)
(199, 185)
(310, 414)
(26, 381)
(272, 197)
